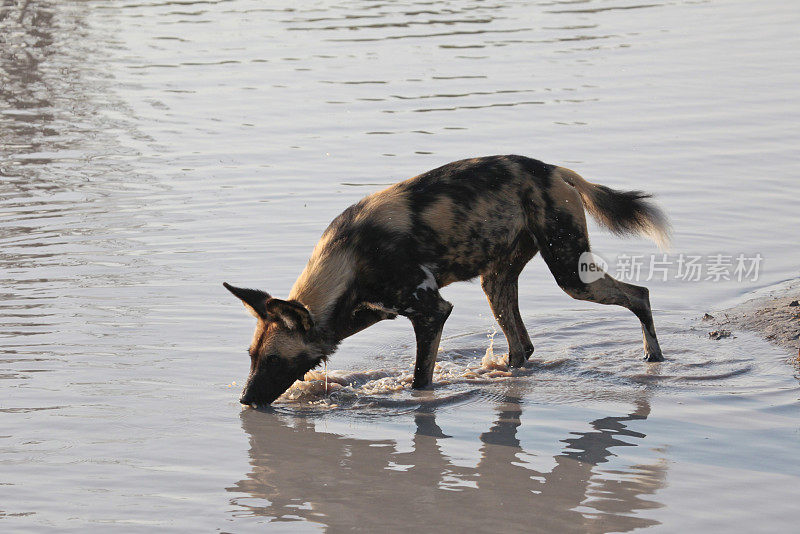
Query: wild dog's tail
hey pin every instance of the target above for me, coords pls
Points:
(622, 212)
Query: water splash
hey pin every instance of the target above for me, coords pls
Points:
(335, 388)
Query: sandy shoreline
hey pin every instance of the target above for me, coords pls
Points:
(775, 316)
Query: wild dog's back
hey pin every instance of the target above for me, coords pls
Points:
(458, 217)
(469, 213)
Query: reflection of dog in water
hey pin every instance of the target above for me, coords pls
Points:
(390, 253)
(508, 476)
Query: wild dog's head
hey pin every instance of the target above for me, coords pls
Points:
(285, 346)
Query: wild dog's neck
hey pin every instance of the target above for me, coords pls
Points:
(328, 317)
(333, 323)
(325, 279)
(340, 315)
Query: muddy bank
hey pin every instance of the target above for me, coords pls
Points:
(775, 315)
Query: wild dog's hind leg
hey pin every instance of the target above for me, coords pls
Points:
(562, 238)
(500, 285)
(607, 290)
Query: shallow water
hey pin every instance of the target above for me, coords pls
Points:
(151, 150)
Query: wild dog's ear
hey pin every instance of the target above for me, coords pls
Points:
(254, 300)
(291, 313)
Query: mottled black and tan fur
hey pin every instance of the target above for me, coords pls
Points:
(390, 253)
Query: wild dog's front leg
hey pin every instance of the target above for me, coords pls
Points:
(419, 300)
(428, 330)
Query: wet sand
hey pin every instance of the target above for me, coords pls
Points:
(774, 315)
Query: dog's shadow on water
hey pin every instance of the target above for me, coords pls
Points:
(344, 483)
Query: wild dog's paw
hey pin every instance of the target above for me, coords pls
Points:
(653, 357)
(528, 351)
(517, 359)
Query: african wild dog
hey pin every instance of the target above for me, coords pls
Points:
(389, 254)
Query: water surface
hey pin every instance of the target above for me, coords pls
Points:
(150, 150)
